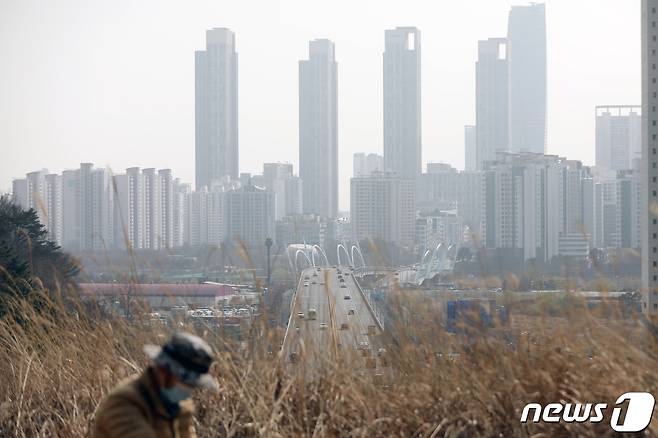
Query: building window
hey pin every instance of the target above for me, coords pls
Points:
(655, 306)
(655, 264)
(655, 249)
(655, 221)
(653, 179)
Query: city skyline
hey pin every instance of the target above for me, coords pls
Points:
(442, 141)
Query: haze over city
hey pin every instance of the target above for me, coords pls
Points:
(340, 218)
(83, 81)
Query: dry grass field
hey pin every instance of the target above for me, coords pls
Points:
(55, 367)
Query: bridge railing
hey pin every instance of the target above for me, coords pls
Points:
(369, 305)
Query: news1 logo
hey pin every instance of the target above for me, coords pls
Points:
(638, 412)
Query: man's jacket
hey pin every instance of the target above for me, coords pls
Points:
(134, 410)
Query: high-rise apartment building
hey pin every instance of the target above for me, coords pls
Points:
(491, 101)
(649, 156)
(438, 188)
(71, 209)
(287, 188)
(470, 148)
(366, 164)
(318, 129)
(469, 200)
(19, 192)
(618, 136)
(36, 193)
(129, 218)
(249, 215)
(382, 207)
(402, 103)
(54, 205)
(216, 108)
(526, 54)
(532, 201)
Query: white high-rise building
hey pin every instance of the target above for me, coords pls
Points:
(153, 209)
(366, 164)
(470, 148)
(530, 203)
(216, 108)
(249, 215)
(402, 103)
(438, 188)
(19, 192)
(179, 210)
(382, 207)
(287, 188)
(469, 200)
(71, 209)
(130, 227)
(318, 129)
(36, 193)
(618, 136)
(54, 205)
(166, 208)
(491, 100)
(526, 54)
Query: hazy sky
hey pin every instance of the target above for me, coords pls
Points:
(112, 82)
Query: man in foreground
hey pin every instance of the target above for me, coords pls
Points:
(157, 403)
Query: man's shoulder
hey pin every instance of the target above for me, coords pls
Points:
(125, 392)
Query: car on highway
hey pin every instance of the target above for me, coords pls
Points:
(314, 282)
(292, 357)
(347, 297)
(343, 286)
(300, 315)
(350, 312)
(342, 280)
(312, 313)
(344, 326)
(323, 326)
(306, 284)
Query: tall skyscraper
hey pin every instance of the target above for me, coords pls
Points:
(618, 136)
(526, 51)
(318, 129)
(470, 146)
(402, 103)
(491, 100)
(649, 157)
(216, 108)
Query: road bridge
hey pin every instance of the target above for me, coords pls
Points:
(331, 318)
